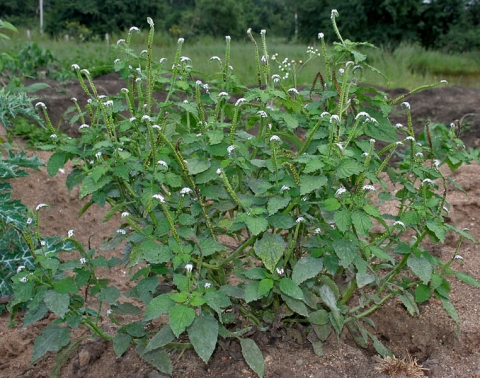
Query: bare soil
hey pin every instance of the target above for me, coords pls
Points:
(431, 337)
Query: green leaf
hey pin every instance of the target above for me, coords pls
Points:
(57, 302)
(161, 338)
(265, 286)
(253, 356)
(121, 342)
(380, 253)
(373, 211)
(305, 268)
(421, 267)
(277, 203)
(195, 166)
(345, 250)
(437, 229)
(409, 302)
(468, 279)
(270, 249)
(328, 297)
(296, 305)
(125, 309)
(310, 183)
(56, 161)
(251, 291)
(158, 306)
(158, 358)
(52, 338)
(349, 168)
(203, 334)
(180, 318)
(422, 293)
(330, 204)
(256, 225)
(287, 286)
(155, 253)
(343, 220)
(362, 222)
(383, 130)
(89, 185)
(109, 294)
(379, 347)
(65, 286)
(319, 317)
(450, 309)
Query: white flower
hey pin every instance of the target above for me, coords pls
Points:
(406, 104)
(40, 206)
(185, 191)
(294, 90)
(198, 82)
(340, 145)
(162, 163)
(317, 230)
(444, 81)
(75, 66)
(419, 154)
(340, 191)
(341, 71)
(109, 311)
(280, 271)
(334, 118)
(121, 232)
(185, 101)
(74, 99)
(83, 260)
(159, 197)
(180, 40)
(324, 114)
(458, 257)
(125, 214)
(370, 188)
(263, 32)
(23, 279)
(275, 138)
(399, 143)
(284, 187)
(365, 154)
(240, 101)
(54, 136)
(446, 210)
(146, 118)
(108, 103)
(156, 127)
(207, 285)
(70, 233)
(42, 243)
(120, 41)
(276, 78)
(398, 125)
(84, 126)
(362, 114)
(41, 104)
(228, 38)
(185, 59)
(334, 13)
(222, 94)
(98, 155)
(262, 113)
(162, 60)
(300, 219)
(189, 267)
(320, 35)
(133, 28)
(116, 61)
(428, 181)
(372, 140)
(85, 71)
(20, 268)
(230, 149)
(436, 163)
(398, 223)
(219, 171)
(410, 138)
(215, 58)
(29, 220)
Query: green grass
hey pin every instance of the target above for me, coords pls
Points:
(408, 66)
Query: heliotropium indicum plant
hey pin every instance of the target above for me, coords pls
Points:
(250, 208)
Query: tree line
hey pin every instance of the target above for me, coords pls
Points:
(452, 25)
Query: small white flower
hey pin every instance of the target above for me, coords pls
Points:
(124, 90)
(146, 118)
(70, 233)
(321, 35)
(120, 41)
(180, 40)
(419, 154)
(74, 99)
(198, 82)
(219, 171)
(334, 13)
(444, 81)
(340, 145)
(116, 61)
(349, 63)
(230, 149)
(185, 191)
(222, 94)
(341, 71)
(162, 60)
(398, 223)
(40, 206)
(109, 311)
(54, 136)
(263, 32)
(446, 210)
(300, 219)
(240, 101)
(262, 113)
(362, 114)
(138, 80)
(215, 58)
(108, 103)
(370, 188)
(365, 154)
(276, 78)
(399, 143)
(406, 104)
(280, 271)
(324, 114)
(185, 59)
(85, 72)
(334, 118)
(132, 119)
(284, 187)
(436, 163)
(317, 230)
(206, 88)
(428, 181)
(133, 29)
(293, 90)
(98, 155)
(372, 140)
(340, 191)
(185, 101)
(207, 285)
(159, 197)
(83, 260)
(410, 138)
(75, 66)
(189, 267)
(84, 126)
(458, 257)
(275, 138)
(465, 229)
(125, 214)
(398, 125)
(23, 279)
(20, 268)
(29, 220)
(41, 104)
(156, 127)
(42, 243)
(121, 231)
(228, 38)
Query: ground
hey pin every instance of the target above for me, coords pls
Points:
(431, 337)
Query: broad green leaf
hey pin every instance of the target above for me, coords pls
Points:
(372, 210)
(253, 356)
(65, 286)
(121, 342)
(409, 302)
(277, 203)
(437, 229)
(364, 279)
(319, 317)
(251, 291)
(310, 183)
(279, 220)
(155, 253)
(380, 253)
(56, 161)
(421, 267)
(362, 222)
(57, 302)
(161, 338)
(379, 347)
(265, 286)
(349, 168)
(203, 334)
(330, 204)
(422, 293)
(450, 309)
(296, 305)
(290, 288)
(328, 297)
(158, 306)
(180, 318)
(34, 315)
(125, 309)
(345, 250)
(468, 279)
(89, 185)
(383, 130)
(195, 166)
(109, 294)
(158, 358)
(270, 249)
(343, 219)
(256, 225)
(305, 268)
(52, 338)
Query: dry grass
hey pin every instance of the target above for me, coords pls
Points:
(401, 368)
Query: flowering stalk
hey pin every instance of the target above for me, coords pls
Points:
(392, 147)
(257, 57)
(226, 68)
(79, 110)
(199, 105)
(149, 65)
(175, 67)
(293, 170)
(333, 15)
(230, 190)
(325, 56)
(265, 58)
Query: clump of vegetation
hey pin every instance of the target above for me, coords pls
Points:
(243, 208)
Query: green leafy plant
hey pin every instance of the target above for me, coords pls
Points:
(245, 208)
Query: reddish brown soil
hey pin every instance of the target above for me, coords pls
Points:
(430, 337)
